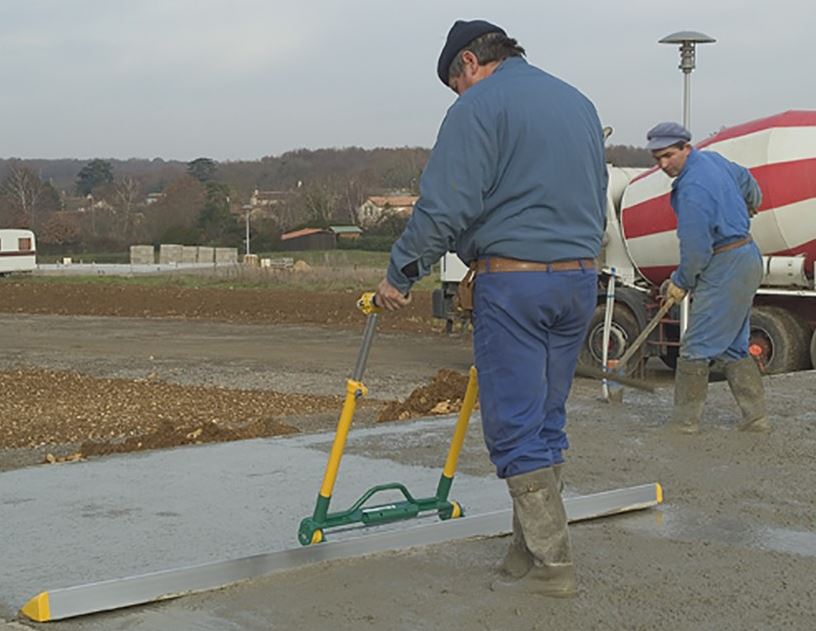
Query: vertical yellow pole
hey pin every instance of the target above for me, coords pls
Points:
(462, 424)
(354, 389)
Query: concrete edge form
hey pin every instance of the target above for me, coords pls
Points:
(90, 598)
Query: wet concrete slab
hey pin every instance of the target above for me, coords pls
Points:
(684, 524)
(83, 522)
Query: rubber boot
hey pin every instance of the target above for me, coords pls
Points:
(558, 470)
(690, 390)
(518, 560)
(745, 382)
(542, 522)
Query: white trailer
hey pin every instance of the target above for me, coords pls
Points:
(18, 251)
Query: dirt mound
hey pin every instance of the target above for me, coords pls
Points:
(49, 408)
(209, 432)
(442, 396)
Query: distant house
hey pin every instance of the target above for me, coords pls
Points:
(260, 199)
(309, 239)
(376, 207)
(318, 238)
(152, 198)
(346, 233)
(90, 204)
(273, 205)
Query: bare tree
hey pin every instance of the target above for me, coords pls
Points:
(126, 193)
(26, 196)
(320, 198)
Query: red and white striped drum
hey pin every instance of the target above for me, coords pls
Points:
(780, 151)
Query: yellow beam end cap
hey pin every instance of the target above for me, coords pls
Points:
(38, 608)
(659, 493)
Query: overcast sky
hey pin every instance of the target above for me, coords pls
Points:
(241, 79)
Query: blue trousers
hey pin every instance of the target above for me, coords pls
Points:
(720, 317)
(528, 332)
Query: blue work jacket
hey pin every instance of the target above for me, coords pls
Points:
(710, 197)
(517, 171)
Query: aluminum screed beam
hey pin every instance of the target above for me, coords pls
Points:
(90, 598)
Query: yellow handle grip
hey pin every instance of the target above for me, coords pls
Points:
(367, 305)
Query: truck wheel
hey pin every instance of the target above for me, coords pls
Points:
(813, 350)
(670, 358)
(623, 331)
(778, 341)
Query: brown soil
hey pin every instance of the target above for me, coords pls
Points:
(269, 306)
(442, 396)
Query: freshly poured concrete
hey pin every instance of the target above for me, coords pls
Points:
(83, 522)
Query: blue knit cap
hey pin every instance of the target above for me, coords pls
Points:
(665, 135)
(460, 35)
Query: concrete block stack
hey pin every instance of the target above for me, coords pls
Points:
(206, 254)
(226, 256)
(142, 255)
(189, 254)
(170, 253)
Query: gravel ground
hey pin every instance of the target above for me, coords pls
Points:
(734, 547)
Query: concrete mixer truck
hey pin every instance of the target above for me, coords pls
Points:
(641, 250)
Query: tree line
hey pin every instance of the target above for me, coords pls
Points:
(104, 204)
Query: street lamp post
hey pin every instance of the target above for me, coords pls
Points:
(688, 41)
(249, 210)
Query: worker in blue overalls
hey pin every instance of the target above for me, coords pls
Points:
(516, 185)
(714, 200)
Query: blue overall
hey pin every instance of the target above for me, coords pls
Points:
(710, 198)
(720, 317)
(528, 332)
(517, 172)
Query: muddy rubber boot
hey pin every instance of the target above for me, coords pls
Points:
(518, 560)
(745, 382)
(690, 390)
(558, 470)
(543, 524)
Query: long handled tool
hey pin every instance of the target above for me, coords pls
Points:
(668, 303)
(79, 600)
(607, 328)
(594, 373)
(619, 372)
(312, 529)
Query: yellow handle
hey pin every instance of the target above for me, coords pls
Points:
(366, 304)
(459, 432)
(353, 390)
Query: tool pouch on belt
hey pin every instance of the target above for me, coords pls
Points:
(464, 292)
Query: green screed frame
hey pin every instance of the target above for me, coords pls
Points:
(312, 529)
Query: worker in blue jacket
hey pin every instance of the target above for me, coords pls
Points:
(516, 185)
(714, 200)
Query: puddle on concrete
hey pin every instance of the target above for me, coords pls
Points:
(684, 525)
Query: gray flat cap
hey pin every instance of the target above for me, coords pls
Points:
(665, 135)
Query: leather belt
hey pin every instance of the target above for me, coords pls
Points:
(733, 245)
(499, 264)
